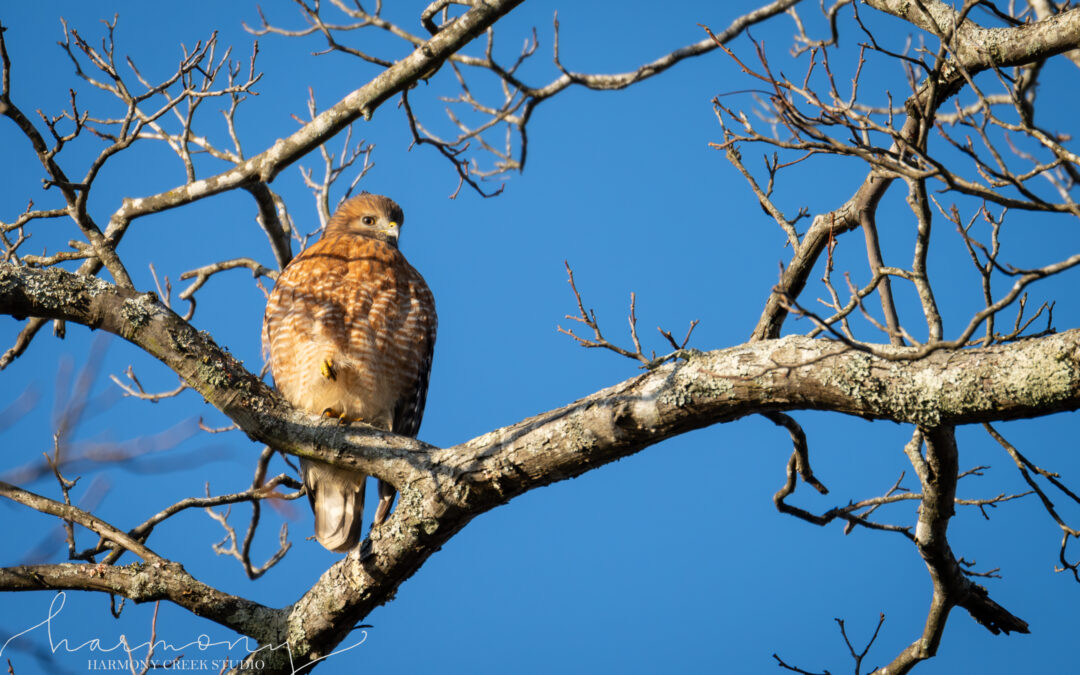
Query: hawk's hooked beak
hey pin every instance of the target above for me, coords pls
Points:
(392, 230)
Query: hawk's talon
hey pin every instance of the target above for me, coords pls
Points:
(330, 412)
(327, 369)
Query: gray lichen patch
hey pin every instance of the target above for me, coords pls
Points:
(297, 633)
(580, 436)
(1041, 378)
(213, 374)
(697, 379)
(144, 582)
(9, 279)
(135, 313)
(852, 376)
(412, 503)
(51, 289)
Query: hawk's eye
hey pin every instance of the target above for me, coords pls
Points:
(368, 220)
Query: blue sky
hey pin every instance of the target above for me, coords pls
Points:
(673, 560)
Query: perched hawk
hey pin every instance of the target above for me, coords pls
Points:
(350, 328)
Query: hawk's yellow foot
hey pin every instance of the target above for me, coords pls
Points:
(327, 369)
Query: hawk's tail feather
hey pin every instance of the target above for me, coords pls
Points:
(337, 498)
(386, 500)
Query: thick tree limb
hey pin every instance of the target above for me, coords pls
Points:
(146, 582)
(980, 48)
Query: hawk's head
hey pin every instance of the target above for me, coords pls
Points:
(368, 215)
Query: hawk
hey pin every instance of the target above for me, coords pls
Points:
(350, 330)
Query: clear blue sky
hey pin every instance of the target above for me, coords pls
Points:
(674, 560)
